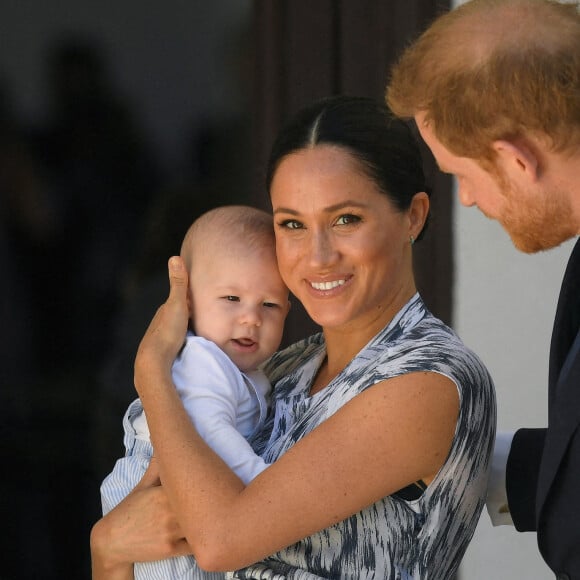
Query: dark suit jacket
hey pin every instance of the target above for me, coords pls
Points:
(543, 471)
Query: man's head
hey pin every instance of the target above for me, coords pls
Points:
(495, 69)
(494, 87)
(237, 297)
(536, 213)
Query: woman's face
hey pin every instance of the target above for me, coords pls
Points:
(343, 248)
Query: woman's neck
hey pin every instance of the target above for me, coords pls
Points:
(344, 343)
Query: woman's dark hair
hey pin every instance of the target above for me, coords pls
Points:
(384, 145)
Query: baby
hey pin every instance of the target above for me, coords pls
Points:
(238, 305)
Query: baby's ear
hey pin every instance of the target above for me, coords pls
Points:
(189, 303)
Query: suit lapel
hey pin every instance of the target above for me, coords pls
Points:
(567, 320)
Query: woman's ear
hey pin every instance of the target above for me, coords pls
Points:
(517, 159)
(418, 212)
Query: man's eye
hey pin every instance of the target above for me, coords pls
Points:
(347, 219)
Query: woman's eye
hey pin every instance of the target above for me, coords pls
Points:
(291, 224)
(347, 219)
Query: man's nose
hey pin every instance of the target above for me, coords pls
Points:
(465, 195)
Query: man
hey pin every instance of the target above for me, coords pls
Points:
(494, 87)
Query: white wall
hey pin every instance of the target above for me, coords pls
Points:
(504, 308)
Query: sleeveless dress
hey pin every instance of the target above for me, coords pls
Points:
(396, 538)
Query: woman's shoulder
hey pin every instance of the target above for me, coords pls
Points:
(419, 341)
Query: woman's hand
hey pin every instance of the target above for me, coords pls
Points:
(141, 528)
(166, 332)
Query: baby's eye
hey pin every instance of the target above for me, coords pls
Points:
(231, 298)
(290, 224)
(271, 305)
(347, 219)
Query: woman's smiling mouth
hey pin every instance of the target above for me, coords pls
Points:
(330, 285)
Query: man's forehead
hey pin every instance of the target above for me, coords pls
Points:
(436, 147)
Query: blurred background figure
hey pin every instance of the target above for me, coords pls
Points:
(28, 226)
(102, 173)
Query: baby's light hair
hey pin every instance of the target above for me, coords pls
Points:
(231, 228)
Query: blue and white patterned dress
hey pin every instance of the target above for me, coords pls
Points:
(395, 539)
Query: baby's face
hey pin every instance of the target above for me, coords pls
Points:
(240, 302)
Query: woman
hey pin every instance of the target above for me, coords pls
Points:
(382, 425)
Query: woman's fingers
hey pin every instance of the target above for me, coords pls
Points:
(177, 282)
(140, 528)
(172, 540)
(166, 332)
(172, 317)
(151, 476)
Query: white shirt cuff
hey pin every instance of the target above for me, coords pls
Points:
(497, 501)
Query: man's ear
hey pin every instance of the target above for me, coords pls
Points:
(517, 159)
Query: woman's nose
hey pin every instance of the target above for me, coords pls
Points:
(322, 250)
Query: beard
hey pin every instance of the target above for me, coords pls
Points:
(537, 222)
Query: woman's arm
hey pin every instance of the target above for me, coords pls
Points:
(393, 434)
